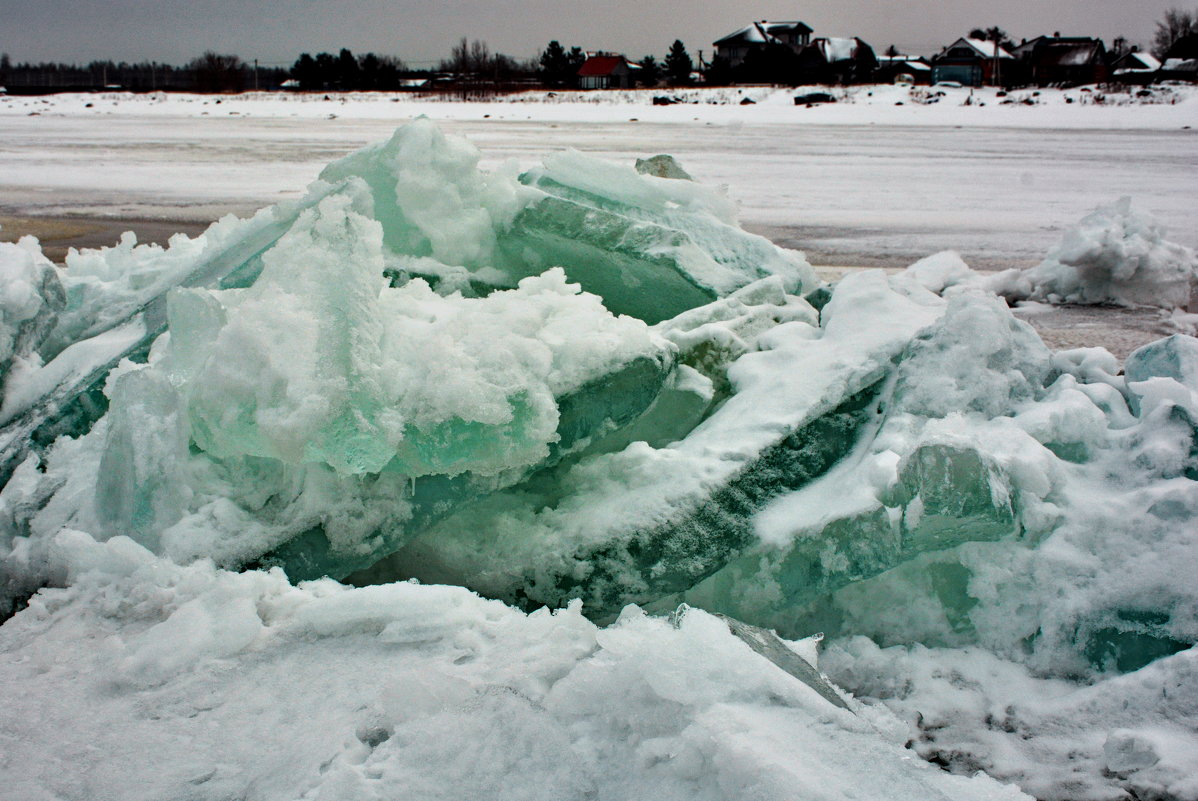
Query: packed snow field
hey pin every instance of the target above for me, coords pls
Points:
(465, 478)
(861, 182)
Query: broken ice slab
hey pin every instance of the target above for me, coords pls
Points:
(105, 321)
(1128, 639)
(431, 198)
(603, 404)
(336, 416)
(650, 247)
(836, 532)
(945, 495)
(1173, 357)
(31, 295)
(644, 522)
(769, 645)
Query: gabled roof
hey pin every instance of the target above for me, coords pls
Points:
(1073, 55)
(601, 65)
(1180, 65)
(1040, 41)
(1062, 51)
(764, 33)
(980, 46)
(1137, 62)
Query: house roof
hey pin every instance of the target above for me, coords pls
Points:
(1137, 62)
(601, 65)
(1061, 51)
(764, 33)
(980, 46)
(1180, 65)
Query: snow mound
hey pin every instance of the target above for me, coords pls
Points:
(246, 684)
(1116, 254)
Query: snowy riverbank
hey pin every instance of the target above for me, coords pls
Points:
(1093, 107)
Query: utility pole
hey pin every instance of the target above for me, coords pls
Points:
(255, 75)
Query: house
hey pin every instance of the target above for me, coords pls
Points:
(971, 62)
(607, 71)
(903, 69)
(836, 60)
(1060, 61)
(1135, 67)
(1181, 60)
(758, 36)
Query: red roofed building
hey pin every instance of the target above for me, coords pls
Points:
(607, 71)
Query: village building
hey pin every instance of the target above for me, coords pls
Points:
(971, 62)
(758, 36)
(836, 60)
(1059, 61)
(903, 69)
(607, 71)
(1135, 67)
(1181, 60)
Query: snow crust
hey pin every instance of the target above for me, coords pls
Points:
(1080, 107)
(247, 684)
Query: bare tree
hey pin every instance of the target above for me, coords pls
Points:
(214, 72)
(1176, 24)
(480, 58)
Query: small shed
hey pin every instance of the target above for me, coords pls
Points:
(607, 71)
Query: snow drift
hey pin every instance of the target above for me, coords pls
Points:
(1115, 255)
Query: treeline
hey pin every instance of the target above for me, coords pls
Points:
(471, 68)
(558, 67)
(211, 72)
(345, 71)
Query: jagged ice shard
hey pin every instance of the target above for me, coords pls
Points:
(584, 381)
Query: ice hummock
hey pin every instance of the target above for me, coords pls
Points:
(1117, 254)
(580, 383)
(289, 358)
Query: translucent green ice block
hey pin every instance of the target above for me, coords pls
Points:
(650, 247)
(600, 405)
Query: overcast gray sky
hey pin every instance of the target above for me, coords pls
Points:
(276, 31)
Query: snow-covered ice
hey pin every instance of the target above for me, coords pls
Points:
(862, 183)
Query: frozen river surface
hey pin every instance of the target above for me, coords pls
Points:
(848, 194)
